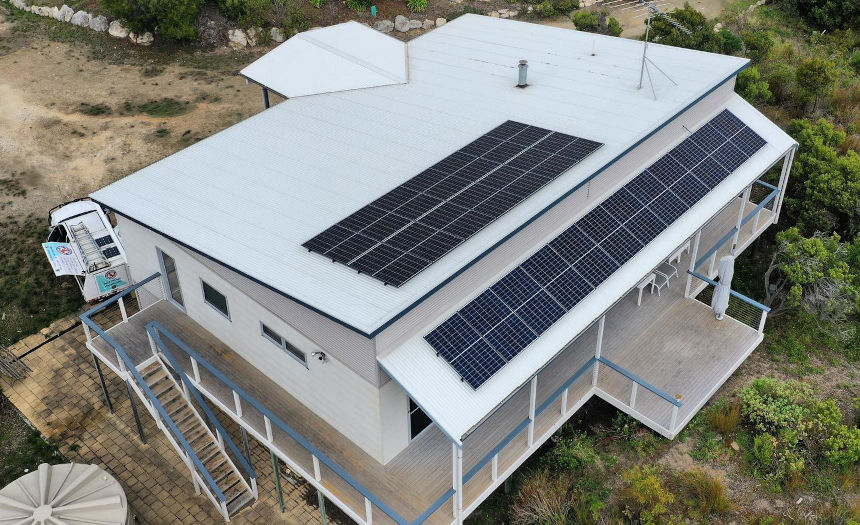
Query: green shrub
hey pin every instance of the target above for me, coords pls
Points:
(843, 448)
(854, 61)
(359, 6)
(828, 14)
(758, 44)
(565, 6)
(613, 27)
(706, 493)
(732, 43)
(545, 9)
(571, 453)
(416, 6)
(764, 447)
(724, 416)
(173, 18)
(643, 498)
(543, 499)
(750, 86)
(585, 20)
(247, 12)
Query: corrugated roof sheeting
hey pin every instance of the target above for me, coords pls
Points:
(457, 408)
(250, 195)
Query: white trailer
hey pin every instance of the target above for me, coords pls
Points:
(82, 243)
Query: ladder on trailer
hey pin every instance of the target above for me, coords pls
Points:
(92, 254)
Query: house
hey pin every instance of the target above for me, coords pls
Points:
(404, 278)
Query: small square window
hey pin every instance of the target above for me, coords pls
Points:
(215, 299)
(418, 420)
(279, 341)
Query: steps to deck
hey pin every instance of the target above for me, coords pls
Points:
(205, 444)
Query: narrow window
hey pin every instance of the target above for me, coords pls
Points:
(282, 343)
(418, 420)
(215, 299)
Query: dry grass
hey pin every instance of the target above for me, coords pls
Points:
(725, 418)
(544, 498)
(706, 493)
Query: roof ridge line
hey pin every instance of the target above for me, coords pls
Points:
(343, 54)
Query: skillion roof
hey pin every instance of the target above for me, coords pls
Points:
(249, 196)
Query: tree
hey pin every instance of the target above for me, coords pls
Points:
(585, 21)
(702, 38)
(825, 184)
(814, 78)
(750, 86)
(173, 18)
(596, 22)
(828, 14)
(758, 44)
(818, 274)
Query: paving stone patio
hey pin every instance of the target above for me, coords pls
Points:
(62, 398)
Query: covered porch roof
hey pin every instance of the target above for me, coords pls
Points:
(458, 409)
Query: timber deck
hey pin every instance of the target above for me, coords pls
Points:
(670, 341)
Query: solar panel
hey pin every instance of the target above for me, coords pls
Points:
(113, 251)
(104, 241)
(503, 320)
(432, 213)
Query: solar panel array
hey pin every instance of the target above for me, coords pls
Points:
(498, 324)
(412, 226)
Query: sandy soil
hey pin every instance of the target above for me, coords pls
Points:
(56, 152)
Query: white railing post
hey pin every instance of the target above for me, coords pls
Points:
(532, 399)
(120, 363)
(744, 199)
(238, 402)
(87, 332)
(633, 392)
(268, 424)
(152, 345)
(196, 370)
(693, 254)
(761, 322)
(368, 512)
(193, 471)
(564, 401)
(454, 479)
(598, 349)
(457, 453)
(495, 467)
(674, 418)
(712, 262)
(122, 311)
(220, 438)
(783, 180)
(317, 471)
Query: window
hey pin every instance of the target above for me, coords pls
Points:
(215, 299)
(418, 420)
(276, 338)
(168, 268)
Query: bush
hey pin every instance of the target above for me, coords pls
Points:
(705, 492)
(416, 6)
(643, 498)
(828, 14)
(750, 86)
(565, 6)
(758, 44)
(724, 417)
(843, 448)
(543, 499)
(247, 12)
(545, 9)
(585, 20)
(764, 446)
(359, 6)
(854, 61)
(571, 453)
(732, 43)
(173, 18)
(596, 22)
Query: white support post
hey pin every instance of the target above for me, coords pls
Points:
(368, 512)
(693, 255)
(196, 370)
(185, 393)
(220, 438)
(317, 472)
(597, 350)
(633, 392)
(532, 400)
(744, 199)
(564, 402)
(120, 363)
(237, 401)
(711, 264)
(495, 467)
(454, 478)
(459, 495)
(783, 182)
(674, 418)
(121, 304)
(193, 472)
(268, 424)
(761, 322)
(87, 332)
(152, 345)
(755, 222)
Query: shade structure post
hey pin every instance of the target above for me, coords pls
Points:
(102, 382)
(121, 304)
(265, 98)
(761, 321)
(693, 254)
(744, 199)
(135, 412)
(276, 468)
(457, 478)
(532, 403)
(598, 349)
(783, 181)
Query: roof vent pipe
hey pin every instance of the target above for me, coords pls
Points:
(523, 70)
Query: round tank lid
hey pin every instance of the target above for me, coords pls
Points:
(67, 494)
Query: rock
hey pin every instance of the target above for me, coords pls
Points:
(253, 35)
(401, 23)
(735, 446)
(386, 26)
(717, 27)
(81, 19)
(238, 39)
(493, 14)
(529, 9)
(45, 11)
(20, 4)
(428, 24)
(415, 24)
(512, 13)
(55, 13)
(277, 35)
(117, 30)
(65, 13)
(441, 22)
(142, 40)
(99, 23)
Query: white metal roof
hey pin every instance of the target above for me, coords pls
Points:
(457, 408)
(335, 58)
(250, 195)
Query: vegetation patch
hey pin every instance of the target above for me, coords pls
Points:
(165, 107)
(94, 110)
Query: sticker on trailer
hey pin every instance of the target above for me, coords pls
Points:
(110, 280)
(62, 258)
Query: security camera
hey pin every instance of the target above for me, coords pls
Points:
(320, 355)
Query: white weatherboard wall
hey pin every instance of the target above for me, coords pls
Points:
(331, 390)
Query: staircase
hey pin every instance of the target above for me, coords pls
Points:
(208, 446)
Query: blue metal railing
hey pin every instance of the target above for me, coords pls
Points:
(772, 195)
(132, 369)
(739, 295)
(153, 332)
(636, 379)
(284, 427)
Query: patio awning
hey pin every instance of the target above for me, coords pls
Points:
(458, 408)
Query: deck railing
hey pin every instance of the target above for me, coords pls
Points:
(765, 195)
(128, 371)
(748, 311)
